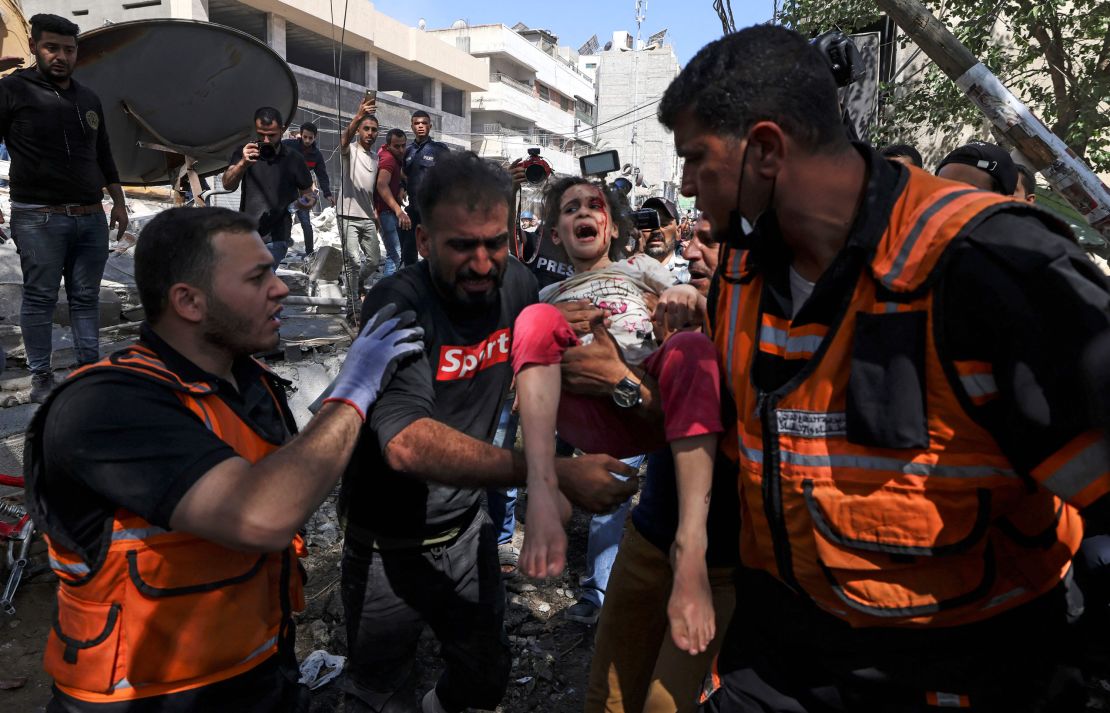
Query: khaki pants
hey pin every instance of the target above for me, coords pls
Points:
(636, 667)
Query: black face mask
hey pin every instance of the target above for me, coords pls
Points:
(739, 233)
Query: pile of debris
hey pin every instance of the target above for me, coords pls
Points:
(314, 325)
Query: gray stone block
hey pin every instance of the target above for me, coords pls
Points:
(295, 280)
(110, 308)
(326, 264)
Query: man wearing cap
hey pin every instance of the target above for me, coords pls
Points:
(982, 165)
(662, 242)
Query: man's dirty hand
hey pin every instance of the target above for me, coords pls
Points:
(594, 369)
(589, 483)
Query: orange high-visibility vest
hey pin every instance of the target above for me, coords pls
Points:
(941, 533)
(163, 611)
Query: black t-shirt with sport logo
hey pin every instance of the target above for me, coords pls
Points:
(460, 380)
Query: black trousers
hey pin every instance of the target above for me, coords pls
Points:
(783, 655)
(457, 591)
(409, 254)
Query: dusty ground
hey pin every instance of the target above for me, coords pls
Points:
(551, 655)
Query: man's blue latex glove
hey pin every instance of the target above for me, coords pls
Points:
(373, 358)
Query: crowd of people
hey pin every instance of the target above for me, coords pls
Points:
(873, 460)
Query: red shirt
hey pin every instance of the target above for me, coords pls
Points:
(387, 162)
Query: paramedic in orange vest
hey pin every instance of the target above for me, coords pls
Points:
(170, 485)
(913, 444)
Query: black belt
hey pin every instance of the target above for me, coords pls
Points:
(444, 536)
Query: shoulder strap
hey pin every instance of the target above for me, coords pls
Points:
(144, 363)
(929, 214)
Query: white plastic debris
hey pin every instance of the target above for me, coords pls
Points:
(320, 667)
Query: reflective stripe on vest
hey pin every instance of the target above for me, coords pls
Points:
(165, 611)
(930, 527)
(1079, 472)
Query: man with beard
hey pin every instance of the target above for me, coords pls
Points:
(662, 243)
(170, 487)
(272, 176)
(419, 548)
(61, 162)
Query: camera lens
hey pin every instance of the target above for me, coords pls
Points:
(535, 173)
(266, 151)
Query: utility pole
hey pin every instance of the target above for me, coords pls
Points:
(1044, 150)
(641, 15)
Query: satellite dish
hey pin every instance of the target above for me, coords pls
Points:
(608, 46)
(458, 25)
(190, 88)
(422, 24)
(13, 41)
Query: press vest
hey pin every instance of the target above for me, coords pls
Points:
(163, 611)
(864, 482)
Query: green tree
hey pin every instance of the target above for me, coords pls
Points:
(1052, 54)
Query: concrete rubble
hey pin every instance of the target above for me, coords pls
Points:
(313, 336)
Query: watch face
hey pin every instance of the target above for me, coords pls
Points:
(626, 394)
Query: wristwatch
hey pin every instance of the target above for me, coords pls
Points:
(626, 393)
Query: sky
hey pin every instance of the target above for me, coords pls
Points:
(690, 24)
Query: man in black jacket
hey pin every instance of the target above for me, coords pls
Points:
(314, 159)
(420, 156)
(61, 162)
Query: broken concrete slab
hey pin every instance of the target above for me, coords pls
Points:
(11, 299)
(313, 330)
(110, 308)
(295, 280)
(311, 377)
(326, 264)
(10, 270)
(329, 289)
(120, 267)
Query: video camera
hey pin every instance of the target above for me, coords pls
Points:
(845, 61)
(646, 219)
(536, 170)
(599, 164)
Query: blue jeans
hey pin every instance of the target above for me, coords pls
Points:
(278, 249)
(391, 261)
(502, 503)
(305, 219)
(601, 547)
(53, 247)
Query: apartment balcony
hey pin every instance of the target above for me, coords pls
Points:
(524, 87)
(510, 145)
(516, 99)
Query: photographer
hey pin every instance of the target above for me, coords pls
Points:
(272, 176)
(547, 261)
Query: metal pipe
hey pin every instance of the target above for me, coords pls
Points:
(315, 301)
